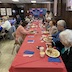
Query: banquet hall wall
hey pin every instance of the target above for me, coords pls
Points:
(64, 14)
(9, 5)
(61, 10)
(25, 7)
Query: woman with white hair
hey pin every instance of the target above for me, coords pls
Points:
(66, 40)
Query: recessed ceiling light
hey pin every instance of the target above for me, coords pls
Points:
(22, 11)
(13, 11)
(15, 0)
(0, 2)
(33, 1)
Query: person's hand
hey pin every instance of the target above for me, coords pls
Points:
(50, 38)
(50, 35)
(50, 44)
(31, 30)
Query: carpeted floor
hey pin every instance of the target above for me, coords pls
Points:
(6, 57)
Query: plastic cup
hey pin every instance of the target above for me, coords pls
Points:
(41, 49)
(42, 54)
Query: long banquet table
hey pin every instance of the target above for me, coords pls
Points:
(35, 63)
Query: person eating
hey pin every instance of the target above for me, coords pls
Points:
(61, 26)
(66, 40)
(21, 31)
(52, 29)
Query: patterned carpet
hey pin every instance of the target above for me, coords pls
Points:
(6, 57)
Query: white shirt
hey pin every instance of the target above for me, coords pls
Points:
(6, 25)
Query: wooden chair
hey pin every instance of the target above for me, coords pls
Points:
(3, 34)
(0, 53)
(16, 44)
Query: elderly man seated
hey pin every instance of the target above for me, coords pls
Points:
(61, 25)
(66, 40)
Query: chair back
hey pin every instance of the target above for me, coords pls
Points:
(20, 40)
(14, 35)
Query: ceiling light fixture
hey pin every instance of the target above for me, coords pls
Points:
(33, 1)
(0, 2)
(15, 0)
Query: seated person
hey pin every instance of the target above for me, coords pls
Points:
(7, 27)
(6, 24)
(18, 19)
(66, 40)
(52, 29)
(1, 28)
(47, 24)
(46, 15)
(27, 19)
(13, 28)
(61, 25)
(31, 17)
(21, 31)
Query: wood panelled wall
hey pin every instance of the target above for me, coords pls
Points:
(67, 15)
(27, 6)
(63, 14)
(13, 6)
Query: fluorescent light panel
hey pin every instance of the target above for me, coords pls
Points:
(0, 2)
(33, 1)
(15, 0)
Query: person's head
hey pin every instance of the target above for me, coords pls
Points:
(48, 12)
(4, 18)
(48, 19)
(61, 24)
(7, 17)
(17, 16)
(24, 23)
(66, 37)
(27, 11)
(30, 16)
(52, 23)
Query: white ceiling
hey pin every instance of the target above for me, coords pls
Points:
(25, 1)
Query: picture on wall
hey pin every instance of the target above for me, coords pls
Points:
(3, 11)
(9, 11)
(69, 5)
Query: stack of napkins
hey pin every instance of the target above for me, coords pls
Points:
(50, 59)
(28, 53)
(31, 41)
(30, 36)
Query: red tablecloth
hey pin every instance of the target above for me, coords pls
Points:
(34, 63)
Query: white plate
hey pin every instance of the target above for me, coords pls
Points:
(45, 39)
(54, 53)
(45, 32)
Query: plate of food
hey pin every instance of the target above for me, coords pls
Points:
(33, 26)
(43, 26)
(45, 32)
(51, 52)
(45, 39)
(32, 32)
